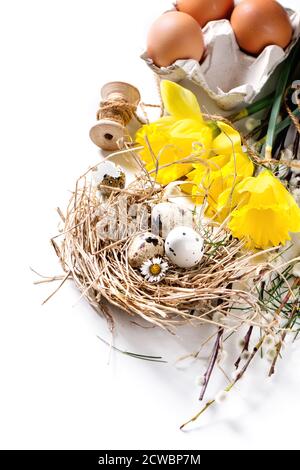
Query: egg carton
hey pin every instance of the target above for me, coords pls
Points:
(228, 75)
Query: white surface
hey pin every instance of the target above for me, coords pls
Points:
(57, 390)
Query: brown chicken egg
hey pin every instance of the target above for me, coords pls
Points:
(173, 36)
(206, 10)
(261, 23)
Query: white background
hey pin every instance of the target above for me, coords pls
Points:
(57, 389)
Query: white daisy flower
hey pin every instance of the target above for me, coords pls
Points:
(154, 269)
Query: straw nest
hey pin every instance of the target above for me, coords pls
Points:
(220, 290)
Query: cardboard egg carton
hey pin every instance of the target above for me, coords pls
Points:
(228, 75)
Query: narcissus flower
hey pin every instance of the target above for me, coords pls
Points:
(265, 212)
(174, 138)
(212, 177)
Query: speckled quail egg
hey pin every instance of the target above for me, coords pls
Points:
(184, 247)
(110, 175)
(167, 215)
(143, 247)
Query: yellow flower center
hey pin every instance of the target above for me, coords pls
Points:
(155, 269)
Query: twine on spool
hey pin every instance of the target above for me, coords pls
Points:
(118, 110)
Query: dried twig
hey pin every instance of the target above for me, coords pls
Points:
(294, 312)
(231, 385)
(212, 362)
(245, 347)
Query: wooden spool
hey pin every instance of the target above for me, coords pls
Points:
(108, 131)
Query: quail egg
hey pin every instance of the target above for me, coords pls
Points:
(110, 175)
(184, 247)
(143, 247)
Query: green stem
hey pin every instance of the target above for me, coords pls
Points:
(279, 93)
(142, 357)
(259, 105)
(281, 126)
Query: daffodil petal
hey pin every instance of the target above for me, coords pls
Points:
(213, 163)
(261, 228)
(228, 141)
(180, 102)
(266, 190)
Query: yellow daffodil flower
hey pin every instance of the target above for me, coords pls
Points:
(211, 178)
(174, 138)
(205, 178)
(265, 212)
(219, 172)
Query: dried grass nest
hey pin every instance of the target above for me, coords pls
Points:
(221, 286)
